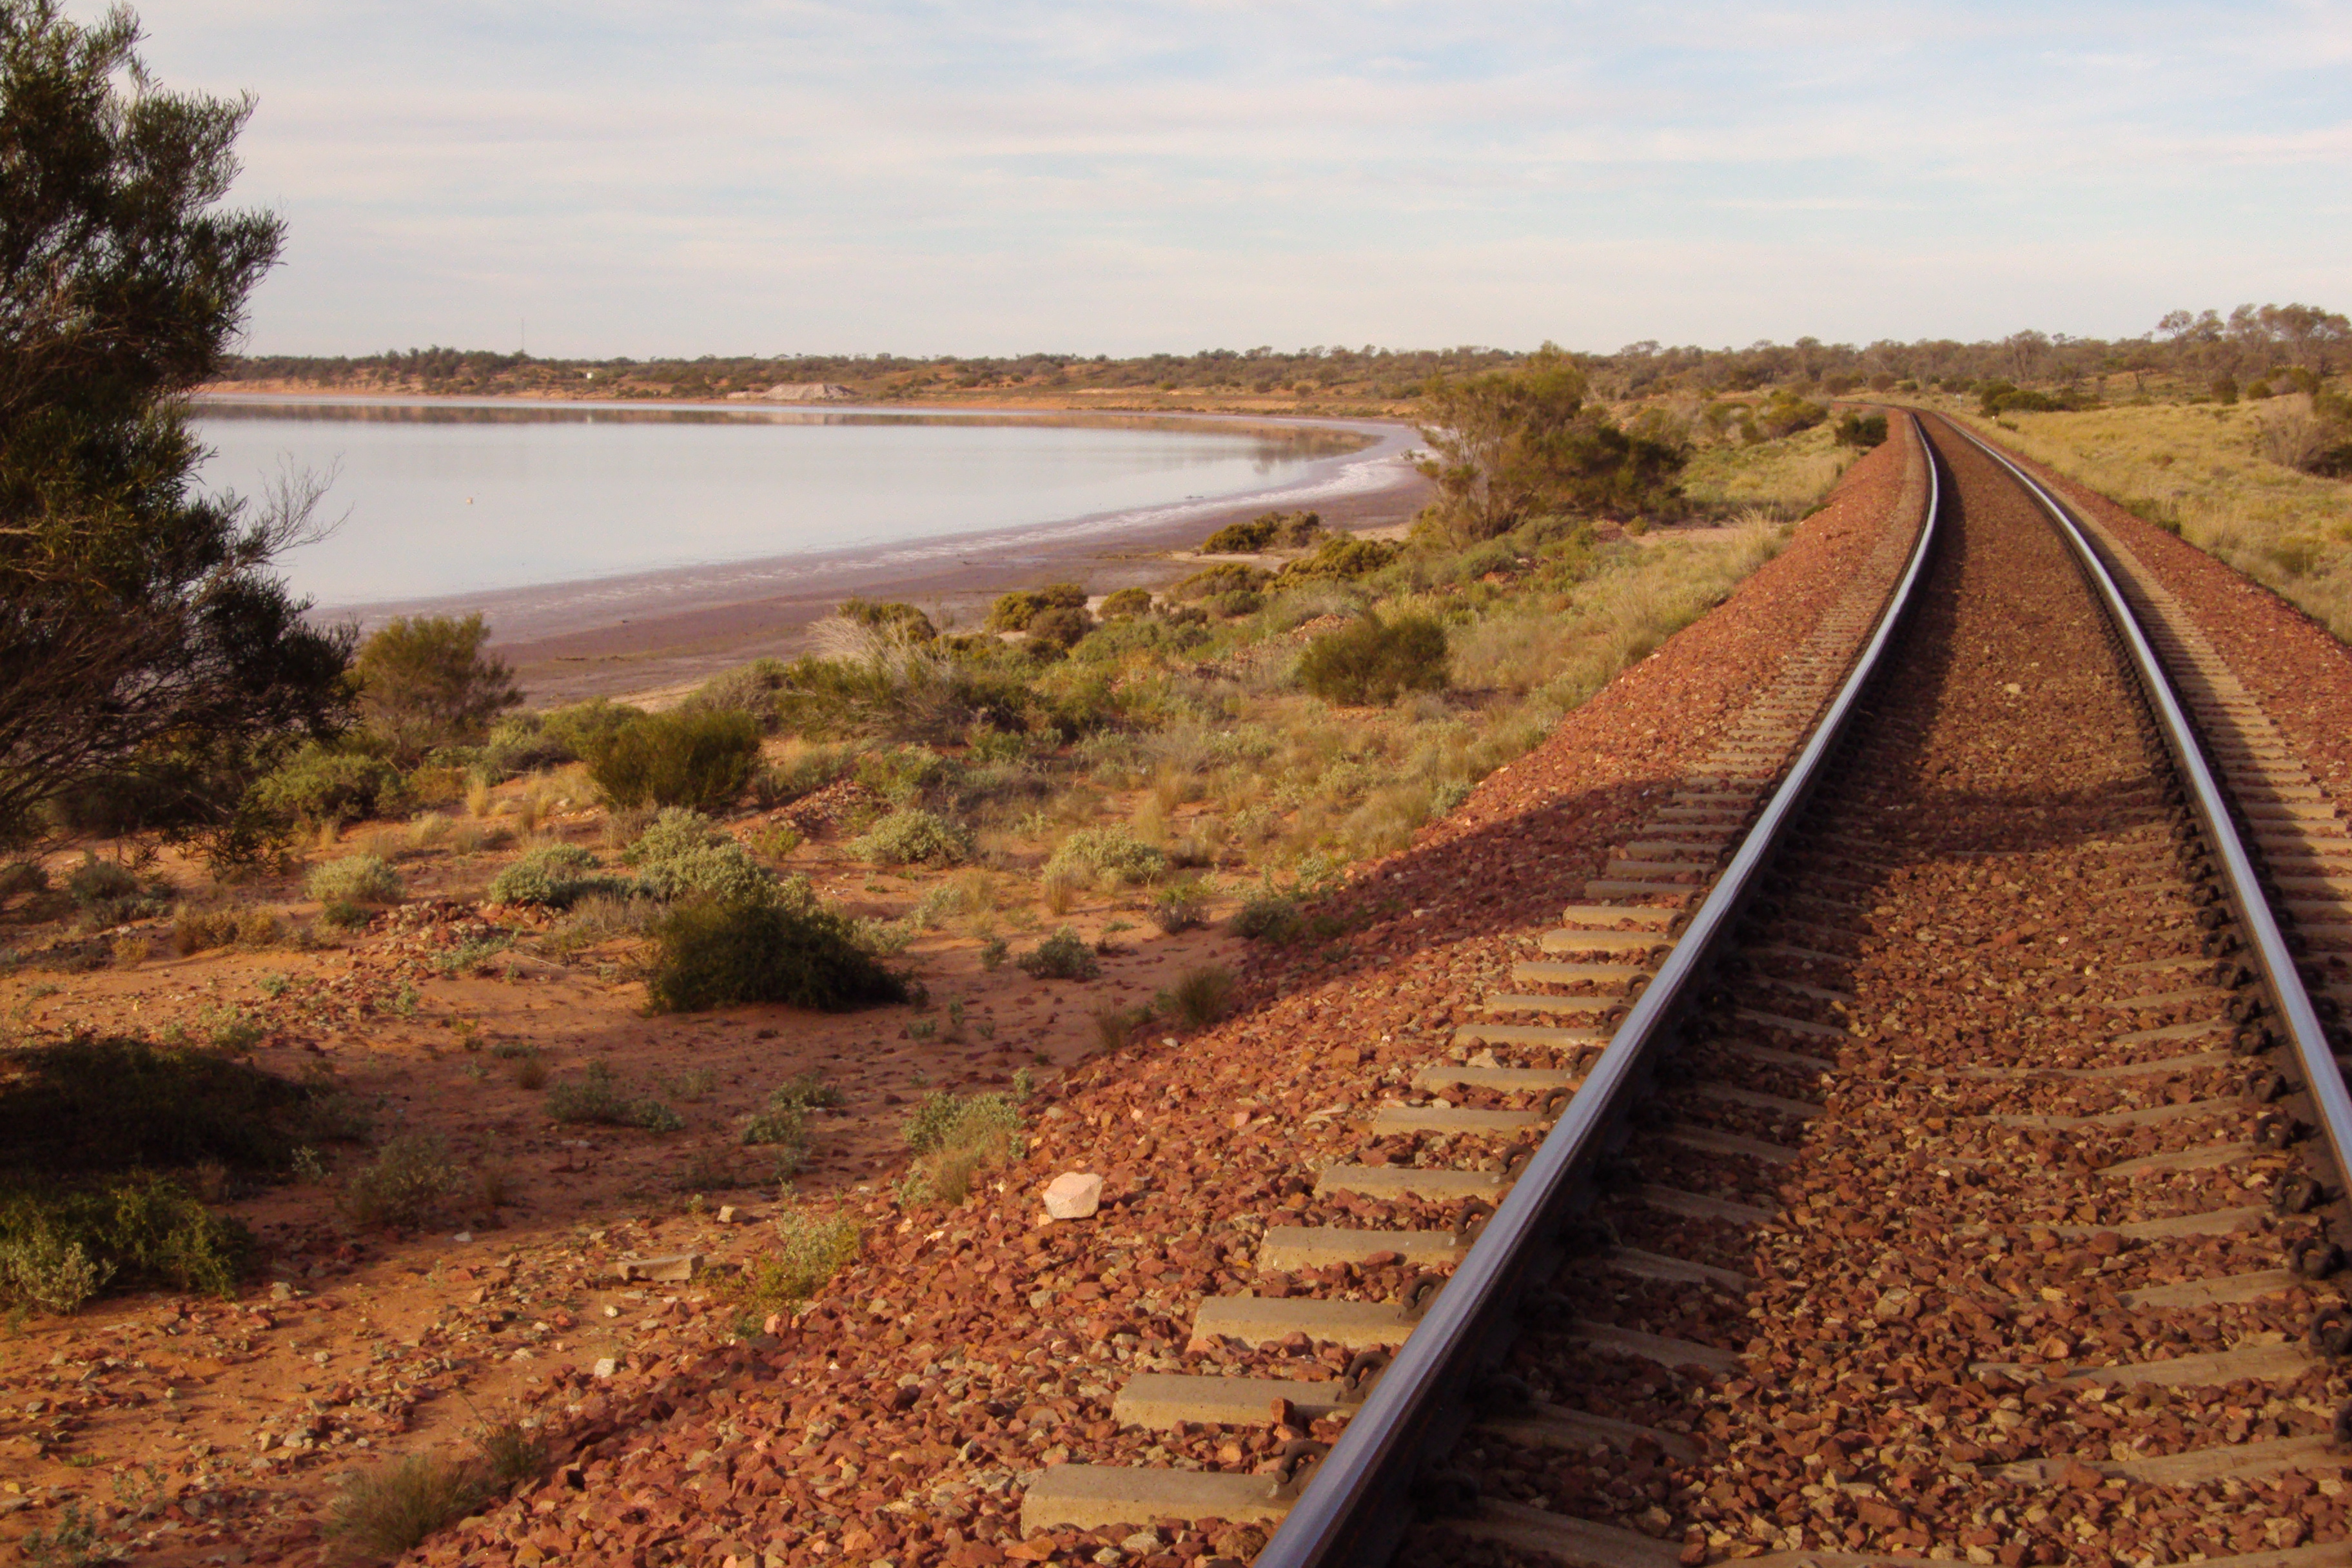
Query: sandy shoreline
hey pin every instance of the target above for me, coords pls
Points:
(649, 633)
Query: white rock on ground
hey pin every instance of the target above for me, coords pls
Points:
(1074, 1195)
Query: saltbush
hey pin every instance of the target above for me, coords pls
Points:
(913, 835)
(1227, 577)
(97, 881)
(1267, 531)
(1015, 610)
(713, 954)
(1107, 855)
(1269, 917)
(555, 877)
(1861, 430)
(684, 856)
(404, 1185)
(1341, 558)
(355, 879)
(1375, 661)
(701, 760)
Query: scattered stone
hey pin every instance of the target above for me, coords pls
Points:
(1074, 1195)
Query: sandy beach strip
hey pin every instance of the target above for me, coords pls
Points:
(654, 634)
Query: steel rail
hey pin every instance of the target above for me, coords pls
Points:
(1355, 1509)
(2292, 1004)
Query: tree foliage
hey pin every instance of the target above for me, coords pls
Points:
(142, 633)
(1516, 444)
(425, 681)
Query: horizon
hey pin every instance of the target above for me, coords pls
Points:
(805, 180)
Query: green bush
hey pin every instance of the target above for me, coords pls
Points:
(555, 877)
(597, 1098)
(97, 881)
(899, 620)
(355, 878)
(1061, 956)
(1376, 661)
(1239, 603)
(1014, 611)
(1861, 430)
(1269, 917)
(60, 1246)
(1125, 604)
(1106, 855)
(699, 759)
(810, 1250)
(685, 855)
(1341, 558)
(1061, 628)
(524, 744)
(807, 1091)
(912, 836)
(404, 1185)
(799, 776)
(713, 954)
(901, 775)
(1228, 577)
(317, 786)
(1267, 531)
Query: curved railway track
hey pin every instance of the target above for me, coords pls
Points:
(1920, 1143)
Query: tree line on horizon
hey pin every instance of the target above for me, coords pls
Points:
(2195, 348)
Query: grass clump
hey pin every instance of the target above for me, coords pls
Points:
(555, 877)
(1061, 956)
(355, 879)
(1372, 661)
(811, 1248)
(807, 1091)
(1112, 855)
(700, 759)
(709, 954)
(394, 1506)
(955, 1138)
(404, 1187)
(914, 837)
(597, 1098)
(1180, 908)
(1202, 995)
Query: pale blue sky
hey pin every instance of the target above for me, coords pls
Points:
(1123, 175)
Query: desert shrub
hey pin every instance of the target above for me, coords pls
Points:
(807, 1091)
(1126, 602)
(404, 1185)
(61, 1244)
(1861, 430)
(1060, 628)
(393, 1508)
(97, 881)
(1226, 577)
(342, 914)
(586, 727)
(903, 774)
(955, 1137)
(1180, 908)
(1201, 996)
(899, 620)
(1269, 917)
(1015, 610)
(1061, 956)
(318, 786)
(803, 773)
(713, 954)
(425, 681)
(1375, 661)
(1267, 531)
(1341, 558)
(685, 855)
(596, 1098)
(1239, 603)
(354, 879)
(810, 1250)
(524, 744)
(556, 877)
(1784, 413)
(697, 759)
(1106, 855)
(913, 835)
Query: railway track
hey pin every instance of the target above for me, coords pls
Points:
(1923, 1142)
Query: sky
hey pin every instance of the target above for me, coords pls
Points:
(1128, 176)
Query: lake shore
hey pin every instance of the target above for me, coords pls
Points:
(654, 635)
